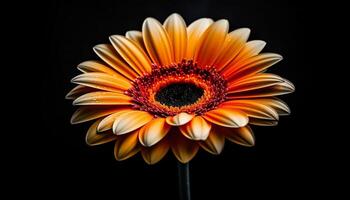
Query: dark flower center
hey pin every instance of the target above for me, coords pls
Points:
(179, 94)
(182, 87)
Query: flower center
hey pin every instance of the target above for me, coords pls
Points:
(179, 94)
(182, 87)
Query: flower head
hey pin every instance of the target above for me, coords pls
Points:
(177, 87)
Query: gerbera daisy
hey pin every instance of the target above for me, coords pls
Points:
(176, 87)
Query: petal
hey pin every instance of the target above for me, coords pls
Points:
(197, 129)
(153, 132)
(227, 117)
(179, 119)
(107, 122)
(233, 44)
(157, 42)
(214, 144)
(103, 81)
(87, 113)
(126, 146)
(78, 91)
(130, 121)
(132, 53)
(95, 66)
(278, 89)
(243, 136)
(277, 104)
(252, 65)
(253, 109)
(108, 54)
(154, 154)
(183, 148)
(250, 49)
(103, 98)
(262, 122)
(93, 138)
(256, 81)
(211, 43)
(194, 32)
(176, 28)
(136, 36)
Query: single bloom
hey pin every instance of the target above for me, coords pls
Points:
(177, 87)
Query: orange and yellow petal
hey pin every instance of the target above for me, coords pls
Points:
(183, 148)
(227, 117)
(210, 43)
(215, 142)
(79, 90)
(107, 122)
(103, 98)
(87, 113)
(176, 28)
(153, 132)
(157, 42)
(251, 66)
(194, 32)
(103, 81)
(130, 121)
(234, 42)
(155, 153)
(96, 66)
(108, 54)
(197, 129)
(93, 138)
(132, 53)
(243, 136)
(126, 146)
(179, 119)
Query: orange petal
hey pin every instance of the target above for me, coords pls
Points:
(103, 98)
(132, 53)
(211, 43)
(227, 117)
(95, 66)
(253, 82)
(176, 28)
(136, 36)
(107, 122)
(215, 141)
(251, 66)
(234, 42)
(275, 90)
(153, 132)
(253, 109)
(154, 154)
(262, 122)
(183, 148)
(93, 138)
(130, 121)
(126, 146)
(250, 49)
(243, 136)
(197, 129)
(87, 113)
(108, 54)
(179, 119)
(277, 104)
(157, 42)
(194, 32)
(78, 91)
(103, 81)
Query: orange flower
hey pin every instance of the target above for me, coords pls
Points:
(179, 88)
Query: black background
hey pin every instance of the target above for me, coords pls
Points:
(278, 166)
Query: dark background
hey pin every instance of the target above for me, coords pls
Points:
(279, 166)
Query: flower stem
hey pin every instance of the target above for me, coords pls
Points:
(184, 181)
